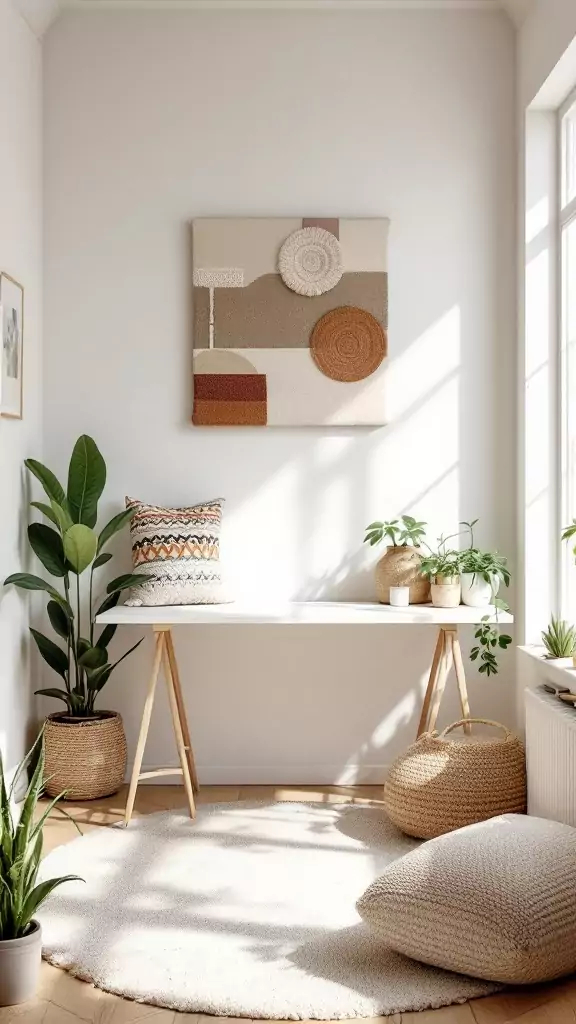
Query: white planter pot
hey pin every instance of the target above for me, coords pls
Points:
(400, 597)
(476, 592)
(20, 966)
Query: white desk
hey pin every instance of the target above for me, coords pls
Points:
(314, 613)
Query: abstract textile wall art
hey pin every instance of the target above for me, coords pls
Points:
(290, 321)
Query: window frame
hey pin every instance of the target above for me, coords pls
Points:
(566, 463)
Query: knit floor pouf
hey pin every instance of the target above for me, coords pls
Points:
(439, 784)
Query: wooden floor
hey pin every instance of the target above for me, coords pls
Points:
(62, 999)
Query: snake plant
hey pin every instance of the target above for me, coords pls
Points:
(21, 851)
(559, 639)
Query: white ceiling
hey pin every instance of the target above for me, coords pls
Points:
(41, 13)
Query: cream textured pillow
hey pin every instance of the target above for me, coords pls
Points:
(496, 900)
(180, 548)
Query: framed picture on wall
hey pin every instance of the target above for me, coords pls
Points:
(12, 320)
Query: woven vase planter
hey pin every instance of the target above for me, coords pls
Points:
(86, 758)
(439, 784)
(400, 567)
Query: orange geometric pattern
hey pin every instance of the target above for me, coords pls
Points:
(197, 548)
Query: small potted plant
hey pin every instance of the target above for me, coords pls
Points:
(400, 566)
(85, 747)
(21, 894)
(443, 570)
(560, 642)
(481, 573)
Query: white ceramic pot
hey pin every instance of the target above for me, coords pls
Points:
(400, 597)
(476, 592)
(20, 967)
(445, 591)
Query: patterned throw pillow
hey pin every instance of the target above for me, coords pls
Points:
(181, 548)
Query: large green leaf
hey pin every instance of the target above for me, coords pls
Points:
(93, 658)
(47, 546)
(109, 602)
(60, 620)
(115, 524)
(106, 635)
(98, 679)
(53, 691)
(26, 581)
(62, 517)
(80, 544)
(82, 645)
(39, 894)
(51, 485)
(46, 510)
(86, 480)
(102, 559)
(51, 653)
(126, 581)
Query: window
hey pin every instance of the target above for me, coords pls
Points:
(567, 283)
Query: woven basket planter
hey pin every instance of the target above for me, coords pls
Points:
(400, 567)
(86, 758)
(439, 785)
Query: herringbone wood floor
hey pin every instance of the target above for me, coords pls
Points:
(62, 999)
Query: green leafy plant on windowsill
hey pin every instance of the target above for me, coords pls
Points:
(559, 639)
(399, 532)
(67, 548)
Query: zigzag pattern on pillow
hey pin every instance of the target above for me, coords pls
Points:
(181, 547)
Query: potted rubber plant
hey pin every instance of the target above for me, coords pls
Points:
(400, 566)
(85, 747)
(21, 894)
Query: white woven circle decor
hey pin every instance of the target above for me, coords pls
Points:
(310, 261)
(247, 911)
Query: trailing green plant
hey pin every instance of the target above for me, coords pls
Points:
(559, 639)
(489, 565)
(68, 548)
(443, 562)
(21, 850)
(400, 532)
(490, 639)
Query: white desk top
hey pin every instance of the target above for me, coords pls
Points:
(327, 613)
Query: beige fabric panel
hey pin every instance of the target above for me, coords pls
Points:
(364, 243)
(251, 243)
(267, 314)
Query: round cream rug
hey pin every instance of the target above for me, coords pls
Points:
(247, 912)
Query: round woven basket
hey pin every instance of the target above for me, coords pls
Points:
(400, 567)
(85, 758)
(439, 785)
(348, 344)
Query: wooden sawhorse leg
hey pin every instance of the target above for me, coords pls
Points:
(165, 656)
(447, 654)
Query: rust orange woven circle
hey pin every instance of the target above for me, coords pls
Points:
(348, 344)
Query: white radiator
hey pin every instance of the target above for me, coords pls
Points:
(550, 757)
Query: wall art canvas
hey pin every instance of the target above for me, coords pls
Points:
(290, 321)
(12, 321)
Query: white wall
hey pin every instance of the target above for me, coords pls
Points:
(154, 119)
(543, 39)
(20, 256)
